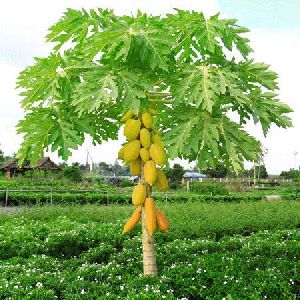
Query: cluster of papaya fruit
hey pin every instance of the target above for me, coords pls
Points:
(144, 153)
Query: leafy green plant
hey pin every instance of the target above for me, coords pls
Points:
(208, 188)
(192, 69)
(79, 253)
(73, 172)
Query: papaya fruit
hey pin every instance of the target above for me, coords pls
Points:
(147, 119)
(132, 129)
(161, 221)
(132, 150)
(121, 152)
(139, 194)
(145, 138)
(144, 154)
(150, 213)
(157, 153)
(135, 167)
(133, 220)
(156, 139)
(152, 111)
(161, 180)
(128, 115)
(150, 172)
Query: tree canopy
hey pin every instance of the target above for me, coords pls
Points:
(194, 70)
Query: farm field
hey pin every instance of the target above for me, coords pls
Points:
(246, 250)
(24, 192)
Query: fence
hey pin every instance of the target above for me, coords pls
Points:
(51, 191)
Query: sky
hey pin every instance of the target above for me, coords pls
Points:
(274, 36)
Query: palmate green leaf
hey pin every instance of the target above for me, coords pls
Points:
(154, 48)
(75, 26)
(43, 128)
(114, 41)
(197, 135)
(203, 86)
(98, 86)
(133, 88)
(206, 36)
(35, 127)
(267, 110)
(257, 73)
(61, 131)
(39, 83)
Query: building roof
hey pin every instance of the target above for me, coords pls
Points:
(193, 175)
(44, 163)
(10, 165)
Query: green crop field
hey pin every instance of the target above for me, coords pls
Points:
(212, 251)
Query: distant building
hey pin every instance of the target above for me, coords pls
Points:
(193, 176)
(45, 163)
(10, 168)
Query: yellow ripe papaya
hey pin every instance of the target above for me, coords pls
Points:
(161, 180)
(147, 119)
(135, 167)
(161, 221)
(156, 139)
(133, 220)
(150, 172)
(157, 153)
(121, 152)
(128, 115)
(144, 154)
(132, 150)
(150, 213)
(152, 111)
(139, 194)
(132, 129)
(145, 138)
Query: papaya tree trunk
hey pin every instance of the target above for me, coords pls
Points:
(149, 258)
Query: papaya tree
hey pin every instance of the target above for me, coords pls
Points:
(181, 80)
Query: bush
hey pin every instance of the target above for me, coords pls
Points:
(208, 188)
(73, 172)
(127, 183)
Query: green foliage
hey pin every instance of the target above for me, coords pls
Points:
(73, 172)
(208, 188)
(175, 174)
(220, 171)
(260, 172)
(242, 250)
(291, 174)
(200, 194)
(103, 64)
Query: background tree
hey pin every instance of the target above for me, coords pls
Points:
(175, 174)
(119, 170)
(192, 69)
(73, 172)
(260, 172)
(220, 171)
(291, 174)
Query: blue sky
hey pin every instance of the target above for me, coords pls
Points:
(267, 14)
